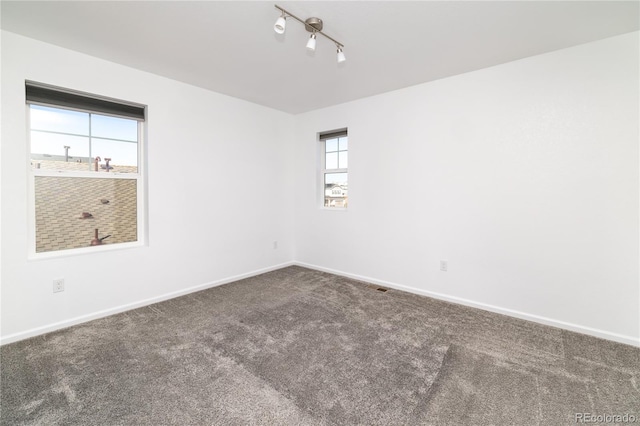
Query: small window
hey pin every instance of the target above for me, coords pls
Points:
(85, 169)
(335, 163)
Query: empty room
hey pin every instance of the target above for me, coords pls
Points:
(320, 213)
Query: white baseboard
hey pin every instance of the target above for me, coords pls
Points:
(129, 306)
(629, 340)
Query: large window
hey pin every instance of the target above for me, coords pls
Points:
(335, 165)
(85, 169)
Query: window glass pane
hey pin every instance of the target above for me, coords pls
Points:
(123, 155)
(342, 160)
(343, 143)
(69, 209)
(53, 144)
(336, 178)
(114, 127)
(331, 145)
(332, 161)
(59, 120)
(48, 151)
(335, 189)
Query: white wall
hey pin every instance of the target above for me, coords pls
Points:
(214, 162)
(523, 176)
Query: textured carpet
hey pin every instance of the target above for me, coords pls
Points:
(301, 347)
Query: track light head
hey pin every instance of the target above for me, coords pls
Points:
(281, 24)
(311, 43)
(341, 57)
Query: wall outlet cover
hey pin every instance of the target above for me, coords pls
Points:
(58, 285)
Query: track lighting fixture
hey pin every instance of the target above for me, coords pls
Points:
(313, 25)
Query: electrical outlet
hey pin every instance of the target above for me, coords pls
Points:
(444, 265)
(275, 245)
(58, 285)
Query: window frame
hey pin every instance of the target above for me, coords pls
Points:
(323, 137)
(140, 177)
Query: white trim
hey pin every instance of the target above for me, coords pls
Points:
(74, 174)
(620, 338)
(129, 306)
(629, 340)
(333, 171)
(141, 184)
(47, 255)
(54, 132)
(335, 209)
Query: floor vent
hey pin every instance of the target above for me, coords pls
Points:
(384, 290)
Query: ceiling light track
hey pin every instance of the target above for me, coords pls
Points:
(313, 25)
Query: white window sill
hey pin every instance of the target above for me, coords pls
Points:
(83, 250)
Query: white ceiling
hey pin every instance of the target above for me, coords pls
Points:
(231, 48)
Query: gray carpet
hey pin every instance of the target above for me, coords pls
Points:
(301, 347)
